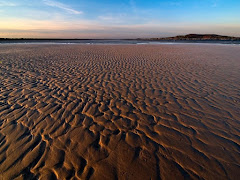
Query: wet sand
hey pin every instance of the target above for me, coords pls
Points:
(119, 112)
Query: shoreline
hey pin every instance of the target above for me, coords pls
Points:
(114, 41)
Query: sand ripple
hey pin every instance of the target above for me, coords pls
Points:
(119, 112)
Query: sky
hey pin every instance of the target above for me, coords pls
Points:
(117, 18)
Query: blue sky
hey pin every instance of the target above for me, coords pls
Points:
(117, 19)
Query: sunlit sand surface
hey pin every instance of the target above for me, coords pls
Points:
(119, 112)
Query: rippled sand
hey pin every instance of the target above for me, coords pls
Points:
(119, 112)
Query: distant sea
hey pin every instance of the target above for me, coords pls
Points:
(97, 41)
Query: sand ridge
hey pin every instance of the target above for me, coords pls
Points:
(119, 112)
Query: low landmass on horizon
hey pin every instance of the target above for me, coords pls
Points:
(200, 37)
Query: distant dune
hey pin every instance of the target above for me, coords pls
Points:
(119, 112)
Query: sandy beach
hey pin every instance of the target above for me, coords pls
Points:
(119, 111)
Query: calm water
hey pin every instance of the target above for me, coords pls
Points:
(20, 41)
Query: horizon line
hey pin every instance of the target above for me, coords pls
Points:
(140, 38)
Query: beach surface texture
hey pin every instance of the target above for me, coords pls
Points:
(119, 111)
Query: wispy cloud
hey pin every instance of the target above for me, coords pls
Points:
(6, 3)
(61, 6)
(114, 19)
(107, 18)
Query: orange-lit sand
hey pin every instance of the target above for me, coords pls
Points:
(119, 112)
